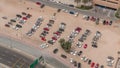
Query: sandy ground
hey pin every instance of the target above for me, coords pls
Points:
(108, 44)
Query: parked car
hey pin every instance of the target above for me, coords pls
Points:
(92, 64)
(79, 65)
(42, 6)
(79, 53)
(58, 10)
(84, 58)
(71, 12)
(101, 66)
(79, 44)
(71, 60)
(97, 65)
(71, 5)
(55, 51)
(89, 61)
(7, 25)
(44, 45)
(85, 46)
(75, 63)
(38, 3)
(73, 52)
(76, 14)
(63, 56)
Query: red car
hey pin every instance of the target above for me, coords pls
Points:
(54, 38)
(57, 33)
(92, 64)
(24, 18)
(78, 29)
(43, 39)
(38, 3)
(85, 46)
(46, 29)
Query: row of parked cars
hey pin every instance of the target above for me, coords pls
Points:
(83, 38)
(35, 26)
(96, 38)
(71, 12)
(73, 34)
(46, 30)
(57, 34)
(75, 63)
(97, 20)
(20, 18)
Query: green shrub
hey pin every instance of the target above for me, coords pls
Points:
(83, 7)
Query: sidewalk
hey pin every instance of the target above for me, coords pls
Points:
(3, 66)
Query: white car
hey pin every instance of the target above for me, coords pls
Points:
(71, 60)
(73, 52)
(84, 58)
(79, 44)
(44, 45)
(76, 14)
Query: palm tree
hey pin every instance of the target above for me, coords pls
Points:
(77, 1)
(89, 2)
(65, 45)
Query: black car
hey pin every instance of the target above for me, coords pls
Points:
(79, 65)
(42, 6)
(75, 63)
(79, 53)
(55, 51)
(101, 66)
(89, 61)
(63, 56)
(110, 23)
(71, 5)
(7, 25)
(58, 10)
(50, 42)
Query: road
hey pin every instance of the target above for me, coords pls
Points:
(13, 59)
(84, 12)
(32, 51)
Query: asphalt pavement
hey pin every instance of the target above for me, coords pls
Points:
(14, 59)
(14, 44)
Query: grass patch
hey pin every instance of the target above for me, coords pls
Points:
(117, 14)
